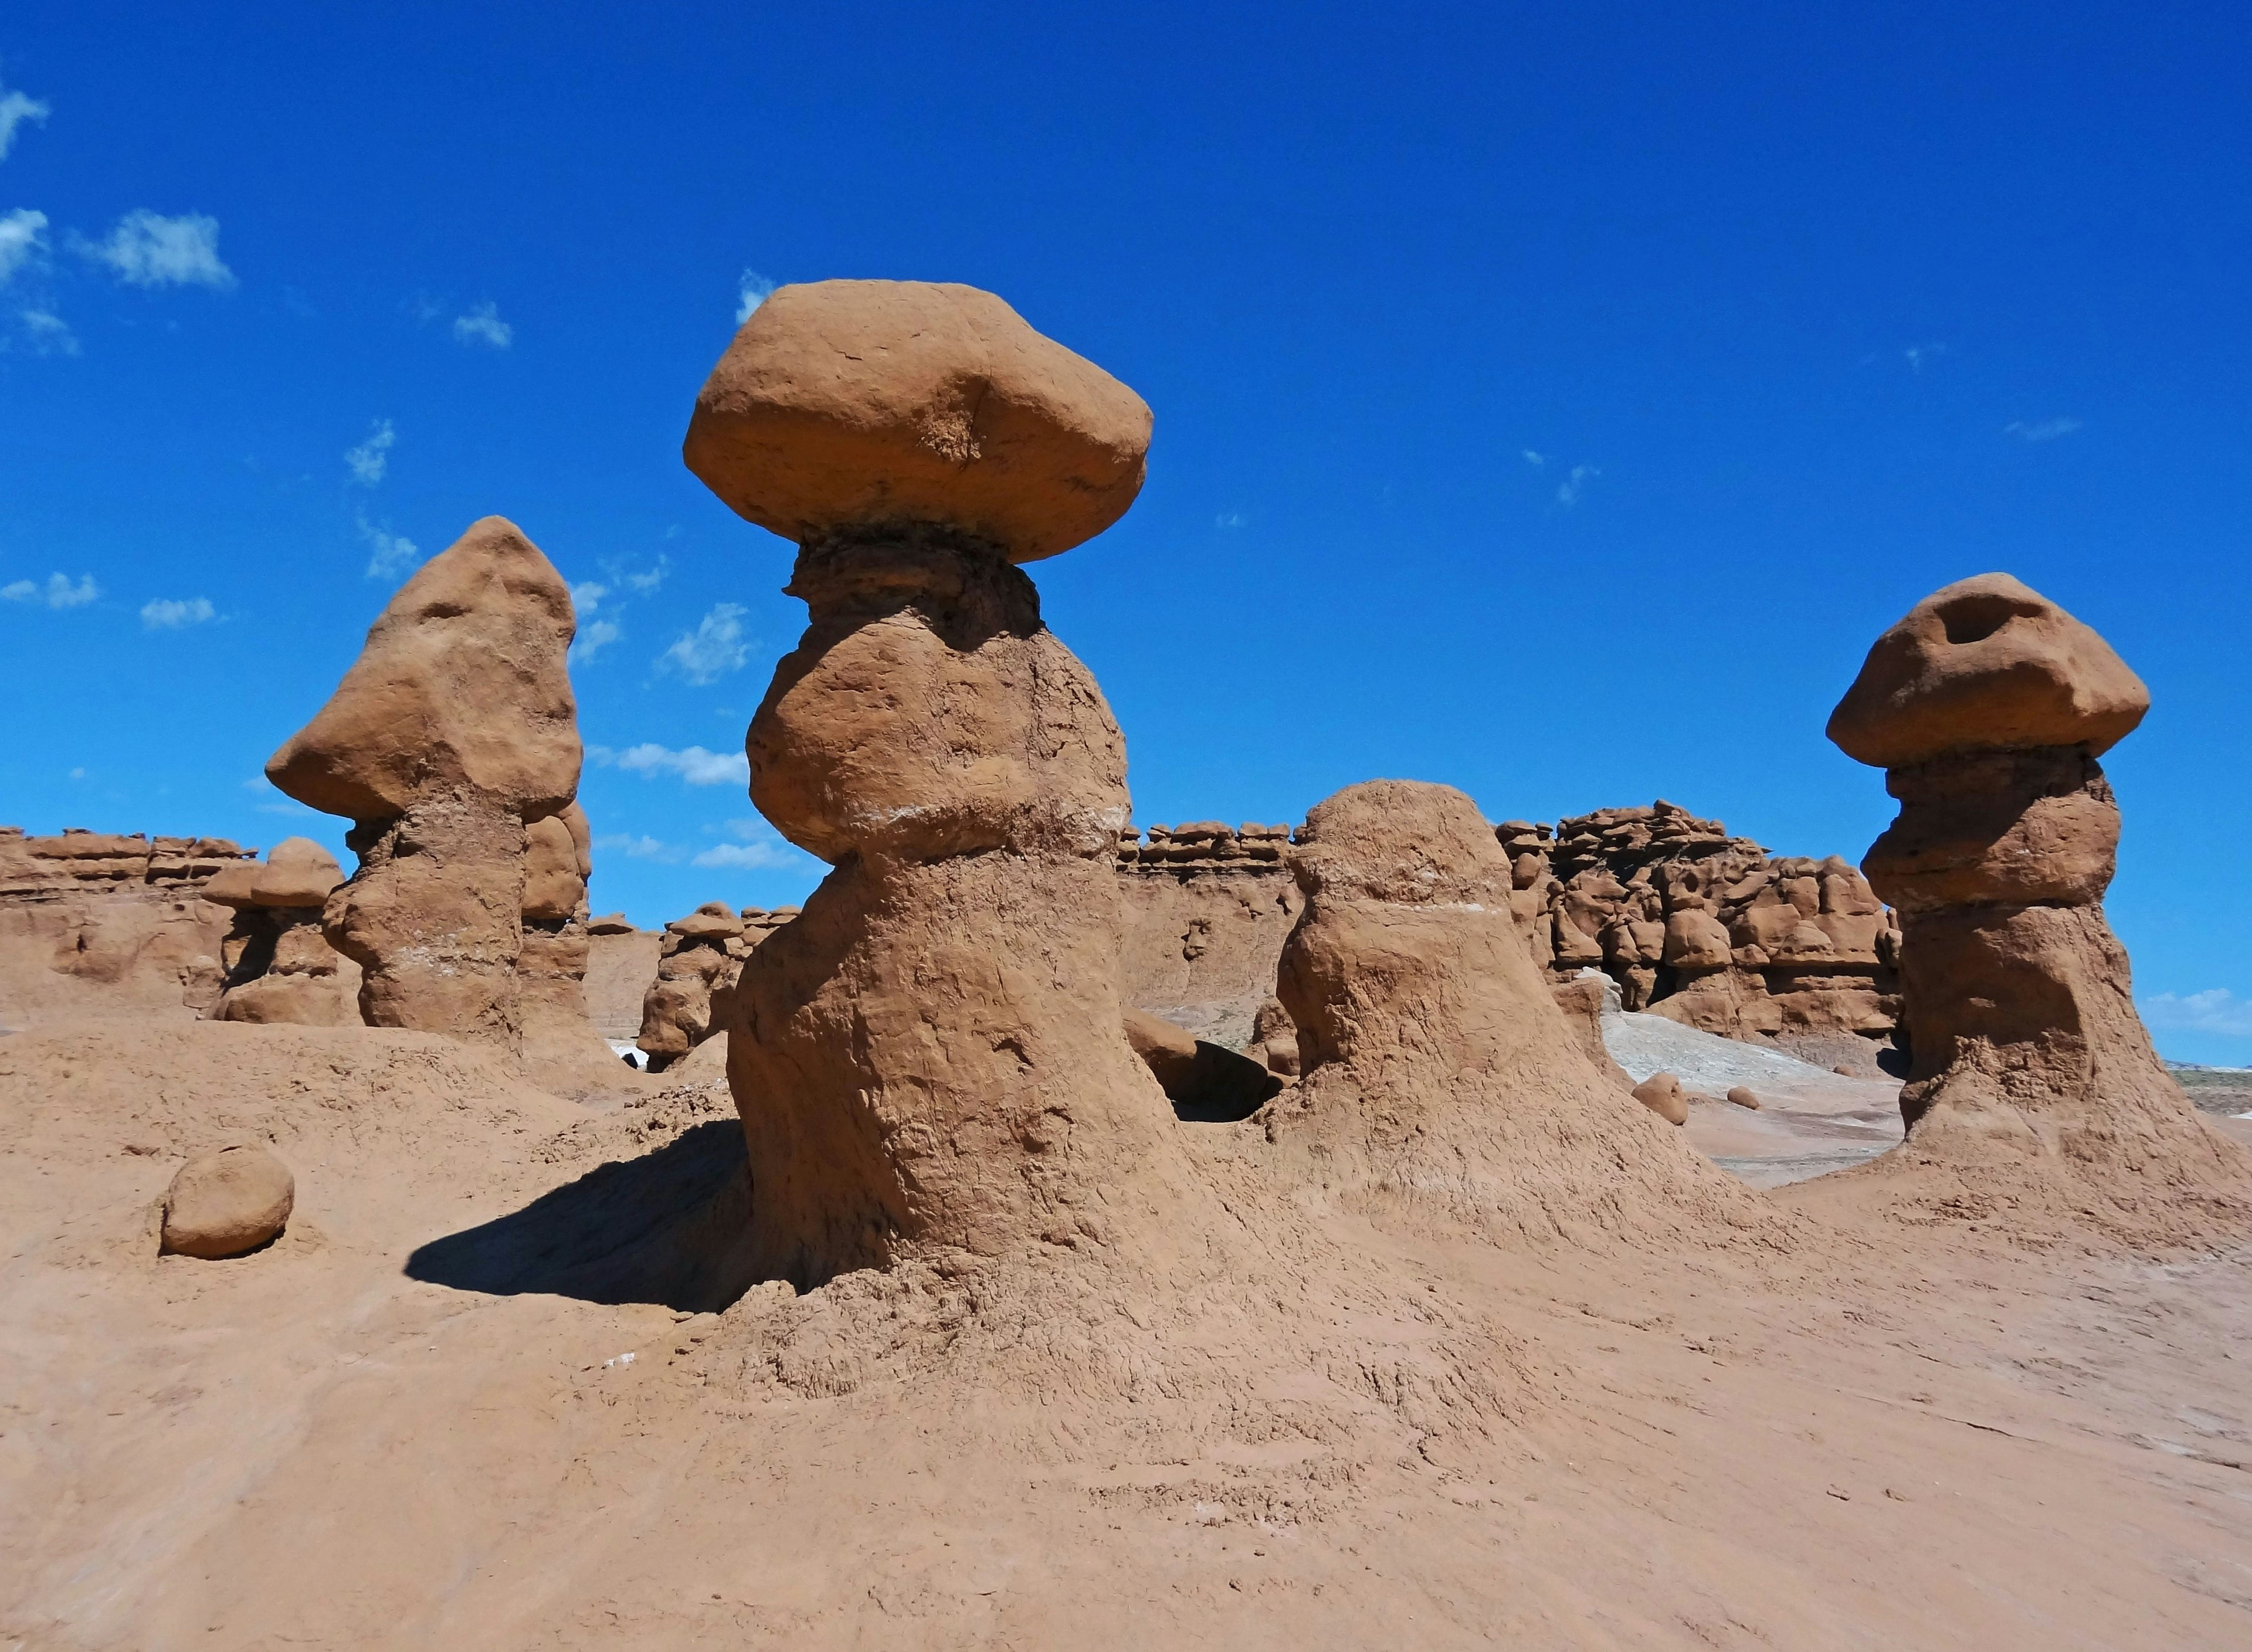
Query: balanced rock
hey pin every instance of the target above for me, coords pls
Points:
(1989, 703)
(1662, 1093)
(697, 962)
(1437, 1067)
(930, 1059)
(454, 728)
(226, 1202)
(845, 404)
(275, 964)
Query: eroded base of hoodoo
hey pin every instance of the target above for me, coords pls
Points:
(930, 1062)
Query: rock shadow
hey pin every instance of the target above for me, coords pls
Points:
(1223, 1086)
(672, 1228)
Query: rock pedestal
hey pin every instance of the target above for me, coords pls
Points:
(278, 965)
(930, 1059)
(1988, 705)
(454, 728)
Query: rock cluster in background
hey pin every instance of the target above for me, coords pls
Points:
(275, 963)
(1208, 908)
(700, 958)
(1710, 930)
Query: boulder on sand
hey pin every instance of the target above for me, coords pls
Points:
(226, 1202)
(1662, 1093)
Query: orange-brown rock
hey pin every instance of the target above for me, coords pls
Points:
(844, 404)
(2025, 1044)
(226, 1202)
(454, 728)
(1437, 1067)
(1207, 910)
(698, 961)
(1986, 665)
(1662, 1093)
(278, 966)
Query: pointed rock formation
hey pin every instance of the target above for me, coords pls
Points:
(930, 1060)
(1988, 705)
(1437, 1070)
(454, 728)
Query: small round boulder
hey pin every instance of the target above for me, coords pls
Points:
(227, 1203)
(851, 404)
(1662, 1093)
(1986, 665)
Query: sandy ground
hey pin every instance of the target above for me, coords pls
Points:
(469, 1399)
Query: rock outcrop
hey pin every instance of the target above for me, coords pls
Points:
(278, 966)
(1437, 1069)
(699, 960)
(1207, 909)
(95, 922)
(453, 730)
(1988, 705)
(1710, 930)
(929, 1061)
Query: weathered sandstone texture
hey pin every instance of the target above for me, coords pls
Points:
(95, 921)
(453, 729)
(278, 967)
(1710, 930)
(225, 1203)
(699, 960)
(1437, 1068)
(930, 1059)
(1988, 705)
(1207, 909)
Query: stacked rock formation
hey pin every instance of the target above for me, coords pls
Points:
(1437, 1067)
(930, 1060)
(1987, 706)
(278, 966)
(1707, 929)
(92, 920)
(1206, 911)
(453, 730)
(700, 961)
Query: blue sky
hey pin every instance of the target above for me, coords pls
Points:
(1553, 402)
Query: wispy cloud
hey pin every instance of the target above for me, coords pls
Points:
(167, 613)
(1229, 520)
(389, 554)
(1536, 460)
(1917, 355)
(592, 640)
(691, 763)
(637, 846)
(57, 593)
(483, 325)
(757, 847)
(2215, 1010)
(647, 579)
(148, 249)
(1576, 483)
(372, 458)
(586, 596)
(716, 647)
(23, 240)
(750, 291)
(47, 333)
(15, 109)
(2040, 429)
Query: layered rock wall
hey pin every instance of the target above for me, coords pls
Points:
(1207, 909)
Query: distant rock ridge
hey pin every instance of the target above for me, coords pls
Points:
(79, 861)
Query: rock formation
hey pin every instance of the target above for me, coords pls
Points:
(91, 921)
(1988, 705)
(1207, 909)
(227, 1203)
(1437, 1068)
(1710, 930)
(453, 730)
(930, 1060)
(700, 961)
(278, 966)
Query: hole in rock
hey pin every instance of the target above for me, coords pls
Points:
(671, 1227)
(1973, 619)
(1224, 1087)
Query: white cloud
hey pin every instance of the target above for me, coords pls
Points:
(148, 249)
(2040, 429)
(167, 613)
(593, 640)
(372, 458)
(586, 596)
(57, 593)
(78, 773)
(649, 581)
(749, 856)
(692, 763)
(1229, 520)
(716, 647)
(483, 325)
(16, 108)
(389, 554)
(50, 334)
(22, 239)
(2216, 1010)
(750, 291)
(1576, 484)
(640, 847)
(1919, 354)
(1536, 460)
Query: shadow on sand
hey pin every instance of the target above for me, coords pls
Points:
(670, 1228)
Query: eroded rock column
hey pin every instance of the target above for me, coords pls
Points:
(930, 1058)
(454, 727)
(1987, 706)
